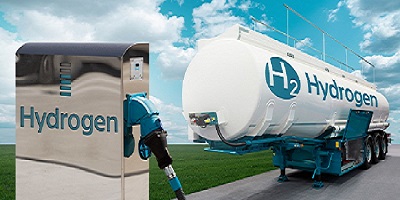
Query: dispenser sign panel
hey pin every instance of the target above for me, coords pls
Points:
(136, 68)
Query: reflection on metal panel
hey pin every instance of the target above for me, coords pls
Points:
(137, 54)
(69, 128)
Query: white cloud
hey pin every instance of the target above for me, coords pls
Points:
(358, 73)
(386, 69)
(394, 127)
(332, 13)
(303, 44)
(261, 27)
(85, 10)
(174, 61)
(386, 73)
(245, 5)
(133, 21)
(122, 21)
(7, 116)
(34, 25)
(393, 120)
(232, 3)
(166, 108)
(211, 19)
(392, 93)
(380, 21)
(140, 24)
(384, 62)
(172, 120)
(9, 45)
(180, 2)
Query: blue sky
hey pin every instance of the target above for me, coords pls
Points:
(173, 26)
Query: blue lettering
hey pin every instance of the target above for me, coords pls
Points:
(366, 99)
(77, 124)
(358, 97)
(55, 117)
(87, 130)
(23, 116)
(99, 121)
(57, 120)
(340, 93)
(40, 122)
(63, 117)
(315, 84)
(109, 119)
(324, 90)
(374, 99)
(347, 92)
(333, 88)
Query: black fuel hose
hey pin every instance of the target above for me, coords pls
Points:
(157, 142)
(180, 195)
(226, 141)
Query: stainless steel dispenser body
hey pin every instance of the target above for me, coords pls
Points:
(69, 120)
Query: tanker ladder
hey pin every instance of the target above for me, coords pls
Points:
(336, 151)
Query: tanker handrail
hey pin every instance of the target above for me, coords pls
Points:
(327, 34)
(295, 39)
(324, 33)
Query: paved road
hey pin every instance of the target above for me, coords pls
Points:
(381, 181)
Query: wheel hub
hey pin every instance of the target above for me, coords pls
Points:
(377, 147)
(384, 147)
(368, 153)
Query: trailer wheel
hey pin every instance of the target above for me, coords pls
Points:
(376, 149)
(367, 154)
(383, 148)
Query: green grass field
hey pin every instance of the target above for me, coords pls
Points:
(197, 170)
(7, 172)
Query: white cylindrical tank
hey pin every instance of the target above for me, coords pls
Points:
(258, 86)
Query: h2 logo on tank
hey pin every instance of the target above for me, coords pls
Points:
(282, 79)
(284, 82)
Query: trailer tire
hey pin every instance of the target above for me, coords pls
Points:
(376, 149)
(383, 148)
(367, 154)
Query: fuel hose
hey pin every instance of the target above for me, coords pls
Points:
(239, 144)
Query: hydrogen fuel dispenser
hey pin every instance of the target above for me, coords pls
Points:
(84, 125)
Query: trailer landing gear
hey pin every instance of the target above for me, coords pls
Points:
(318, 184)
(282, 178)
